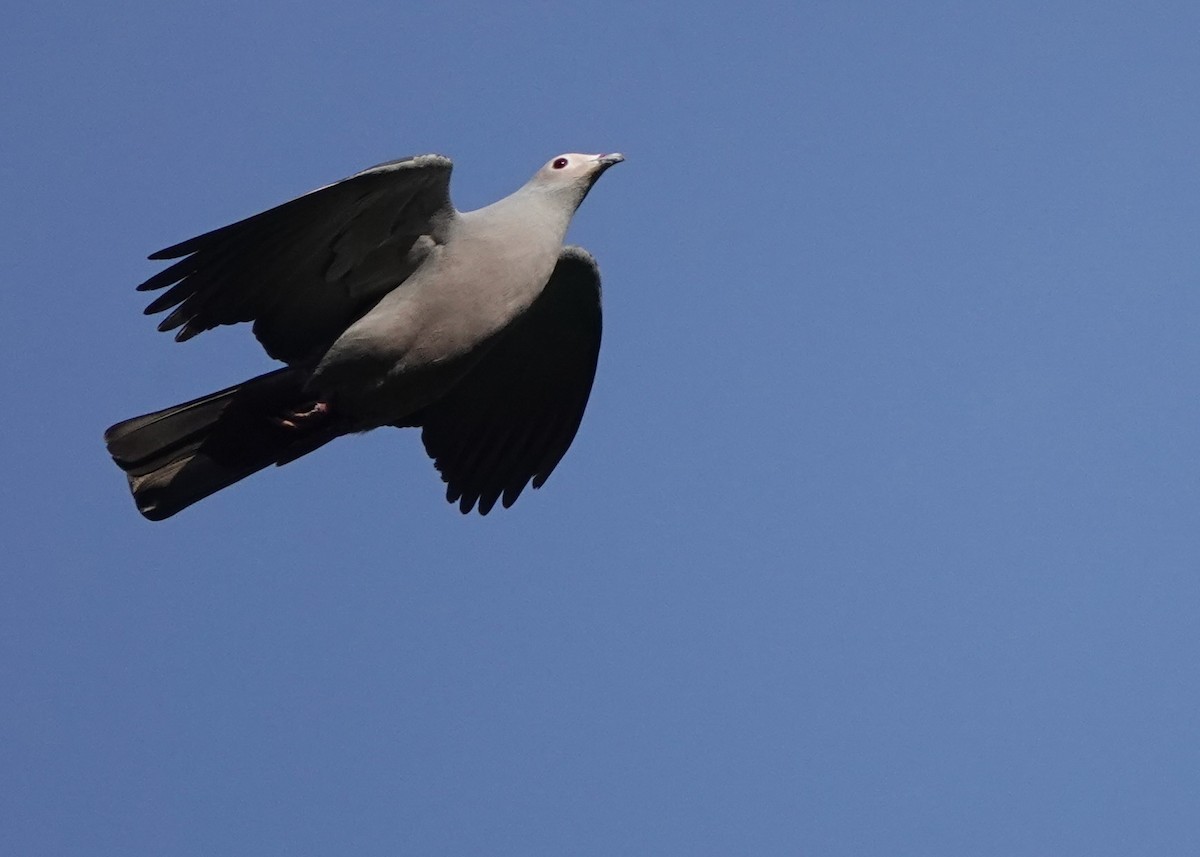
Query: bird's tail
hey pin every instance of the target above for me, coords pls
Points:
(177, 456)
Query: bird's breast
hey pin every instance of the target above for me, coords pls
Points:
(420, 339)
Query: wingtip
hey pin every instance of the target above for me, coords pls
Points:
(172, 252)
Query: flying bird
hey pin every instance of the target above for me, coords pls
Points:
(389, 307)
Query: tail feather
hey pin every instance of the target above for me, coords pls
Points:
(182, 454)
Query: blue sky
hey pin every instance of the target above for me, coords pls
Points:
(882, 531)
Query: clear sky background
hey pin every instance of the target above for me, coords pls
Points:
(882, 531)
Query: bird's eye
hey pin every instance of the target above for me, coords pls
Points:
(559, 163)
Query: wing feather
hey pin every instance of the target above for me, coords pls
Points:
(305, 270)
(512, 418)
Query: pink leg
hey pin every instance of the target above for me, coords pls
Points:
(302, 418)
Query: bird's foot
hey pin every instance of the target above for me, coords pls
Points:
(303, 417)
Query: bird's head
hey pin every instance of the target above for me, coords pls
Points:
(574, 173)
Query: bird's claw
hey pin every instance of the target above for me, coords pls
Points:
(301, 417)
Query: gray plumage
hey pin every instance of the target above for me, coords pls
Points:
(389, 307)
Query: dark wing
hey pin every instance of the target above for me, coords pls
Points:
(305, 270)
(513, 416)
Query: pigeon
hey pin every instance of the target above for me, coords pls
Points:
(388, 307)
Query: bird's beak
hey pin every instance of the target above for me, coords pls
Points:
(603, 162)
